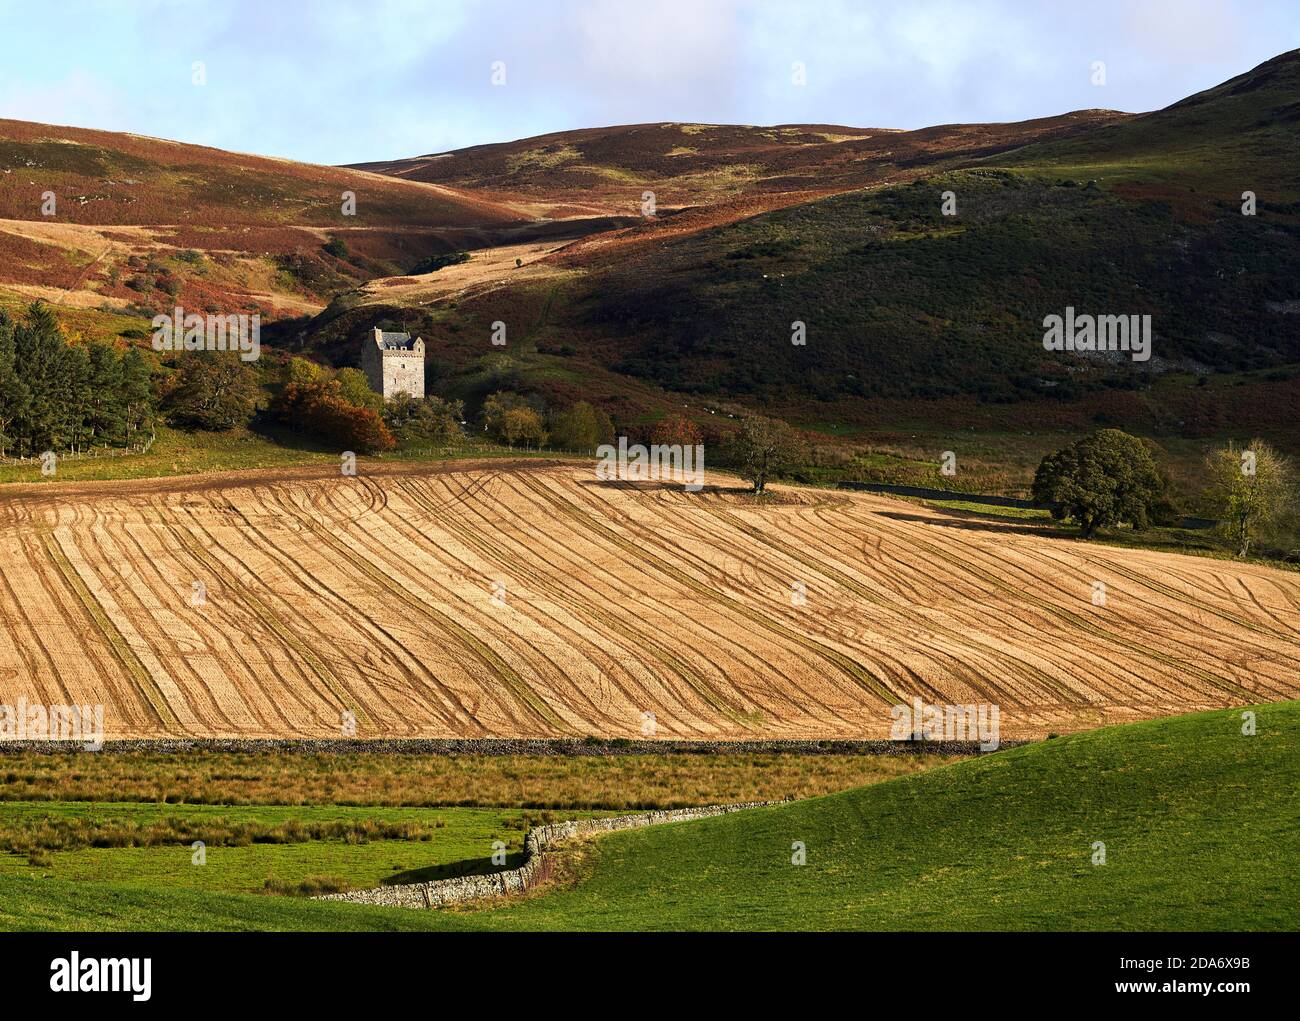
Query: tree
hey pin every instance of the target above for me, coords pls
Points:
(105, 407)
(355, 389)
(55, 395)
(676, 430)
(319, 410)
(214, 390)
(522, 426)
(431, 419)
(354, 428)
(581, 427)
(137, 392)
(42, 362)
(71, 394)
(1250, 490)
(304, 370)
(13, 391)
(495, 409)
(764, 447)
(1103, 480)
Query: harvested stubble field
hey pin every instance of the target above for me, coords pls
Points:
(375, 595)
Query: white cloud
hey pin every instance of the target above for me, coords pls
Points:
(343, 80)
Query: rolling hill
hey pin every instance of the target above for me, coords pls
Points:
(1196, 819)
(104, 177)
(526, 599)
(141, 223)
(924, 330)
(709, 164)
(1002, 842)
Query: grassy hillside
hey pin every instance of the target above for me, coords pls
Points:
(924, 330)
(141, 224)
(1198, 822)
(1236, 136)
(901, 301)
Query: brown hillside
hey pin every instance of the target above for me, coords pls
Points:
(688, 164)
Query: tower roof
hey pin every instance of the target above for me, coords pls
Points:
(394, 341)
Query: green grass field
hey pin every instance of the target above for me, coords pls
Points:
(184, 452)
(1191, 542)
(1198, 822)
(245, 846)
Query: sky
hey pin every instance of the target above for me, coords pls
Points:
(343, 81)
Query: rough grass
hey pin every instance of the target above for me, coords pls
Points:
(622, 782)
(180, 452)
(255, 848)
(27, 829)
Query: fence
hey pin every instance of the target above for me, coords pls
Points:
(91, 454)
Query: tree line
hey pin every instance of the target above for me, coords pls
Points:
(59, 397)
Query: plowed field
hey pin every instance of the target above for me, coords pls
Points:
(529, 599)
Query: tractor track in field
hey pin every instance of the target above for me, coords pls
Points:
(371, 595)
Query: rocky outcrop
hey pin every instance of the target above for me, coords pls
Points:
(535, 868)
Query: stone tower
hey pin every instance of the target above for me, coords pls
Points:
(393, 363)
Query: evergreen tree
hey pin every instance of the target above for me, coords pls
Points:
(105, 398)
(137, 393)
(57, 396)
(40, 356)
(13, 391)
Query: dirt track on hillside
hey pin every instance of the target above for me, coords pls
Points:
(374, 595)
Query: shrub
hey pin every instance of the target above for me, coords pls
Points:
(309, 887)
(432, 419)
(523, 427)
(303, 371)
(356, 389)
(436, 262)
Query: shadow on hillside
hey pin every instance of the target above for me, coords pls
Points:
(658, 485)
(453, 870)
(976, 523)
(265, 426)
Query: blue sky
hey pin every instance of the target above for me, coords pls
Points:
(332, 81)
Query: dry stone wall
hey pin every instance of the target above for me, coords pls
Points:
(575, 747)
(442, 892)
